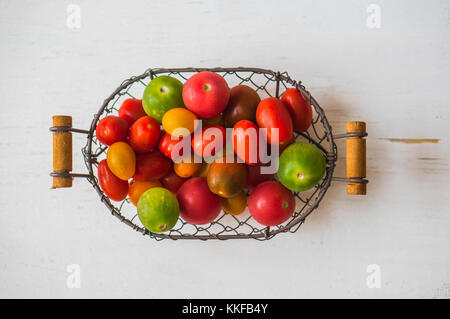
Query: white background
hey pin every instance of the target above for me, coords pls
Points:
(396, 78)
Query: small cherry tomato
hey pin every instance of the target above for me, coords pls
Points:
(203, 171)
(137, 188)
(210, 140)
(235, 205)
(131, 110)
(246, 141)
(226, 177)
(271, 113)
(179, 122)
(167, 144)
(216, 120)
(121, 160)
(112, 129)
(172, 181)
(187, 167)
(151, 166)
(299, 108)
(255, 177)
(286, 144)
(242, 105)
(113, 187)
(144, 134)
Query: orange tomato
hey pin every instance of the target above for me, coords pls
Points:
(186, 168)
(179, 118)
(121, 160)
(236, 204)
(137, 188)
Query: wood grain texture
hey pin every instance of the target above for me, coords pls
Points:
(395, 78)
(355, 153)
(413, 140)
(62, 151)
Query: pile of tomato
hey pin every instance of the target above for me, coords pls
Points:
(168, 152)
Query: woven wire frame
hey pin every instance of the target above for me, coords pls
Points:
(267, 83)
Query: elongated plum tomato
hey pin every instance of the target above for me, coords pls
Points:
(209, 141)
(206, 94)
(131, 110)
(121, 160)
(198, 205)
(271, 204)
(271, 113)
(115, 188)
(179, 122)
(299, 108)
(152, 166)
(137, 188)
(167, 144)
(144, 134)
(112, 129)
(246, 141)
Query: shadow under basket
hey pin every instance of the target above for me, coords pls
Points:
(267, 83)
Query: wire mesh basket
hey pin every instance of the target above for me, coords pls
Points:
(268, 84)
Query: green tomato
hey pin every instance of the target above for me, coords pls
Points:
(158, 209)
(302, 166)
(162, 94)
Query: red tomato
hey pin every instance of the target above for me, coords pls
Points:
(151, 166)
(271, 204)
(246, 141)
(198, 205)
(206, 94)
(283, 146)
(172, 181)
(204, 142)
(112, 129)
(271, 113)
(115, 188)
(299, 108)
(144, 134)
(166, 145)
(254, 176)
(131, 110)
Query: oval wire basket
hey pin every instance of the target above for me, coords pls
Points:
(267, 83)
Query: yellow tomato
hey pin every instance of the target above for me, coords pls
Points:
(179, 122)
(236, 204)
(121, 160)
(187, 167)
(137, 188)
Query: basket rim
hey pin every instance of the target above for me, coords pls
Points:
(331, 154)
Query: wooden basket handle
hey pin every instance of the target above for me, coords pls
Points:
(356, 158)
(62, 151)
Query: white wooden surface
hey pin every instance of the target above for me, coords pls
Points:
(396, 78)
